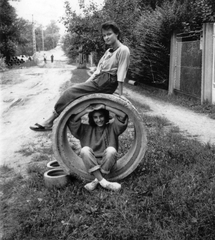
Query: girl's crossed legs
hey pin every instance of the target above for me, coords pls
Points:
(100, 166)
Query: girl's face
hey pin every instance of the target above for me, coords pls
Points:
(109, 36)
(99, 119)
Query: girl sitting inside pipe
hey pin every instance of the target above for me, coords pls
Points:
(99, 142)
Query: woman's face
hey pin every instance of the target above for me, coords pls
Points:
(99, 119)
(109, 36)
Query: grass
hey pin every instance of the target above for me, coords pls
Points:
(169, 196)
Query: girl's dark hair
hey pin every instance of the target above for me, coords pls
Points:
(104, 111)
(113, 26)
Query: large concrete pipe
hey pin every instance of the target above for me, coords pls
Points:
(73, 164)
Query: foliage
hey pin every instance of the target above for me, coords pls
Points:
(25, 45)
(70, 46)
(150, 59)
(51, 36)
(125, 13)
(85, 31)
(196, 12)
(204, 10)
(9, 32)
(151, 37)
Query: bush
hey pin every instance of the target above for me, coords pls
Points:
(152, 34)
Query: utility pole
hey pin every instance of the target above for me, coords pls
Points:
(33, 35)
(42, 38)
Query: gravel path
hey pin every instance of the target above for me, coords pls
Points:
(191, 124)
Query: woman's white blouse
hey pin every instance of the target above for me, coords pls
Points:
(115, 63)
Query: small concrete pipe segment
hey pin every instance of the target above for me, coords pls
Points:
(73, 164)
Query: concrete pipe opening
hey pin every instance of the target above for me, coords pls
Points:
(128, 161)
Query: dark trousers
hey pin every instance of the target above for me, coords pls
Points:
(104, 83)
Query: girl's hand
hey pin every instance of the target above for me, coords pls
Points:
(89, 109)
(94, 107)
(98, 106)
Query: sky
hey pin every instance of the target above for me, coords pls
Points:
(43, 11)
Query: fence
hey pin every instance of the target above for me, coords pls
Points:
(192, 64)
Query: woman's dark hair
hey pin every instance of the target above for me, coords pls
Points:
(103, 111)
(113, 26)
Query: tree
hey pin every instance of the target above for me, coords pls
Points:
(51, 35)
(201, 11)
(70, 46)
(125, 13)
(85, 29)
(25, 45)
(48, 36)
(9, 32)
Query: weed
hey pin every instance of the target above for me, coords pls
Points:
(39, 152)
(40, 157)
(5, 169)
(27, 150)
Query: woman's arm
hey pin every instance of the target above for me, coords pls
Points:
(124, 59)
(120, 88)
(91, 77)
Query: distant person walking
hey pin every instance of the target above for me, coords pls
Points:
(44, 57)
(52, 58)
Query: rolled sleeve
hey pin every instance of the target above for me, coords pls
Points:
(124, 60)
(119, 127)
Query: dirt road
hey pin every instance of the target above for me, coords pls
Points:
(28, 95)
